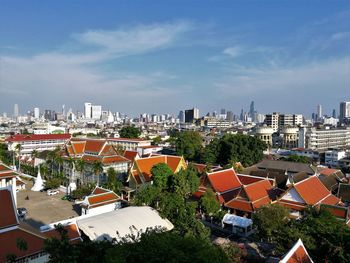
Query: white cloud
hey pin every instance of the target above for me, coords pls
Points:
(233, 51)
(54, 77)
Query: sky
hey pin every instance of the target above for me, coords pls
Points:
(163, 56)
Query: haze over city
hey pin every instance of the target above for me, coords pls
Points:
(164, 56)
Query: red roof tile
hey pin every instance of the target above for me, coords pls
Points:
(297, 254)
(131, 155)
(8, 243)
(8, 213)
(72, 232)
(330, 200)
(114, 159)
(239, 204)
(328, 171)
(258, 190)
(94, 146)
(99, 190)
(38, 137)
(103, 198)
(78, 147)
(311, 190)
(224, 180)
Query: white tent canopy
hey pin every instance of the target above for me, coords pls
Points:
(123, 222)
(237, 221)
(39, 184)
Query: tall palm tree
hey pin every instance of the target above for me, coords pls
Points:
(97, 168)
(59, 161)
(18, 149)
(80, 167)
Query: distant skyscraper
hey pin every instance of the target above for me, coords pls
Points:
(87, 110)
(96, 112)
(241, 116)
(48, 115)
(15, 110)
(229, 116)
(319, 111)
(223, 111)
(191, 115)
(251, 110)
(64, 110)
(181, 116)
(344, 112)
(36, 113)
(334, 114)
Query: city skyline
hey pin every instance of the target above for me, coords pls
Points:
(168, 57)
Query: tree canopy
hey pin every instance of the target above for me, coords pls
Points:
(189, 145)
(129, 132)
(231, 148)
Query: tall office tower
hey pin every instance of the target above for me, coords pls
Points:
(344, 112)
(334, 114)
(251, 110)
(15, 110)
(48, 115)
(36, 113)
(241, 116)
(319, 111)
(223, 111)
(96, 112)
(181, 116)
(191, 115)
(64, 110)
(87, 110)
(229, 116)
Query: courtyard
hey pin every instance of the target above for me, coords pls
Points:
(43, 209)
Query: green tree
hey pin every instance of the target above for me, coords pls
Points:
(18, 148)
(53, 183)
(269, 220)
(298, 159)
(80, 167)
(157, 140)
(148, 195)
(161, 173)
(189, 144)
(97, 168)
(209, 202)
(113, 183)
(231, 148)
(129, 132)
(185, 182)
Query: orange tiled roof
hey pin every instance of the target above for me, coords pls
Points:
(145, 165)
(297, 254)
(311, 190)
(78, 147)
(8, 175)
(173, 161)
(293, 205)
(131, 155)
(114, 159)
(8, 214)
(240, 204)
(8, 241)
(263, 201)
(258, 190)
(3, 168)
(224, 180)
(99, 190)
(94, 146)
(103, 198)
(38, 137)
(330, 200)
(72, 232)
(108, 150)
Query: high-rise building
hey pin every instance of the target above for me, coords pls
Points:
(48, 115)
(15, 111)
(181, 116)
(223, 111)
(344, 112)
(36, 113)
(319, 111)
(229, 116)
(87, 110)
(252, 110)
(334, 114)
(64, 110)
(278, 121)
(191, 115)
(96, 112)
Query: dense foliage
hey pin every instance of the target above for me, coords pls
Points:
(129, 132)
(151, 247)
(297, 159)
(209, 202)
(326, 238)
(189, 144)
(232, 148)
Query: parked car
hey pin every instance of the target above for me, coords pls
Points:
(22, 211)
(53, 192)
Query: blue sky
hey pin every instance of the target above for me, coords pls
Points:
(164, 56)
